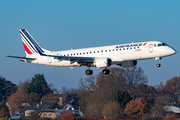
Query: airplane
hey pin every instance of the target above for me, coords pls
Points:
(125, 55)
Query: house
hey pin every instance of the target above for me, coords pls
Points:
(36, 108)
(54, 114)
(69, 107)
(172, 109)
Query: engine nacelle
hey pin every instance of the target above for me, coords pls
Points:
(102, 62)
(127, 64)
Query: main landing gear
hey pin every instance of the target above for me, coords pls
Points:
(157, 59)
(90, 72)
(105, 71)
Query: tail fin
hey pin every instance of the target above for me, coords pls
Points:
(30, 45)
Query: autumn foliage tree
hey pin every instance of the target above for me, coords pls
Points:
(19, 101)
(99, 90)
(68, 115)
(137, 107)
(143, 90)
(172, 87)
(171, 116)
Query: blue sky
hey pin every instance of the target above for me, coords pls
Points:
(62, 25)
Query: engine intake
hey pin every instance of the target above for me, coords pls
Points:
(103, 62)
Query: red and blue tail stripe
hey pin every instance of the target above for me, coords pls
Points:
(30, 45)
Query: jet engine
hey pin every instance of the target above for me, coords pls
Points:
(127, 64)
(102, 62)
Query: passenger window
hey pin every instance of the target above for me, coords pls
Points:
(113, 50)
(84, 53)
(134, 47)
(109, 50)
(90, 52)
(87, 52)
(94, 52)
(74, 54)
(120, 49)
(131, 48)
(80, 53)
(77, 53)
(116, 49)
(105, 50)
(123, 48)
(71, 54)
(67, 54)
(127, 48)
(97, 51)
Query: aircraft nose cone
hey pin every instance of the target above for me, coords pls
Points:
(172, 51)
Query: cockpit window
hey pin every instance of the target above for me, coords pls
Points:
(164, 44)
(159, 45)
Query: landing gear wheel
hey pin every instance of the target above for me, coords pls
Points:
(89, 72)
(158, 65)
(105, 72)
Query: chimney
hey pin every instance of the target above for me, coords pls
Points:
(41, 102)
(60, 101)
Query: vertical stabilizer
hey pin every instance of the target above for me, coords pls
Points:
(31, 47)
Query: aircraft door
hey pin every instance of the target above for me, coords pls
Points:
(150, 48)
(49, 60)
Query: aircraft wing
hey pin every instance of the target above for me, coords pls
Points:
(70, 58)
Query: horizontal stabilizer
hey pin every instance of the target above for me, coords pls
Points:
(20, 58)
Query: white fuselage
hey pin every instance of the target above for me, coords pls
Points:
(117, 53)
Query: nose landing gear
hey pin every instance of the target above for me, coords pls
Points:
(157, 59)
(158, 65)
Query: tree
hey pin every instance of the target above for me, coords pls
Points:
(38, 85)
(6, 88)
(92, 100)
(143, 90)
(137, 107)
(19, 101)
(88, 83)
(50, 98)
(121, 79)
(158, 109)
(68, 115)
(172, 88)
(110, 84)
(35, 97)
(4, 111)
(122, 98)
(112, 110)
(171, 116)
(134, 76)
